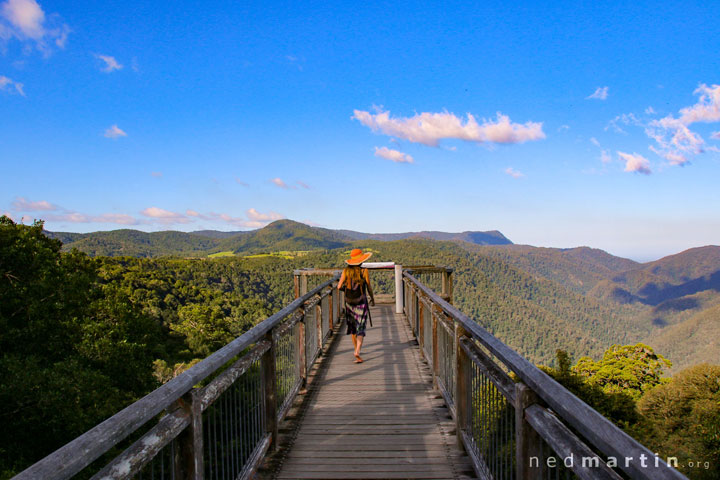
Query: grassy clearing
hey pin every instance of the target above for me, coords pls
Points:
(286, 254)
(221, 254)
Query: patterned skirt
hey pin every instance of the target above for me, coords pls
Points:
(356, 318)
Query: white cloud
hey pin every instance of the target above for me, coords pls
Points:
(240, 182)
(675, 141)
(605, 157)
(156, 174)
(513, 173)
(110, 63)
(253, 219)
(635, 163)
(715, 135)
(256, 216)
(114, 132)
(429, 128)
(393, 155)
(563, 128)
(601, 93)
(707, 109)
(650, 111)
(594, 141)
(303, 185)
(23, 205)
(8, 84)
(625, 119)
(164, 216)
(76, 217)
(26, 21)
(280, 183)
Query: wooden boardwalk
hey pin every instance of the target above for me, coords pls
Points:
(374, 420)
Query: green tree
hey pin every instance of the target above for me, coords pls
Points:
(684, 420)
(629, 369)
(72, 351)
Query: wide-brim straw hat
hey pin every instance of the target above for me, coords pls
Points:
(357, 257)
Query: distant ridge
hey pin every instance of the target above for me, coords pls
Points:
(492, 237)
(281, 235)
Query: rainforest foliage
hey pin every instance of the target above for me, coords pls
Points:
(81, 337)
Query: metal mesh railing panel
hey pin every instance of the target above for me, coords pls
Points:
(234, 426)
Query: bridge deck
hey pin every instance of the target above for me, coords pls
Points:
(378, 419)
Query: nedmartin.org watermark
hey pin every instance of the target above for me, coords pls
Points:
(612, 462)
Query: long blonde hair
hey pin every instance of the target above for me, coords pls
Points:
(353, 276)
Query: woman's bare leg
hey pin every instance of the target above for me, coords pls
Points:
(355, 342)
(358, 347)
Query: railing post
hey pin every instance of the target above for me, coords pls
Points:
(318, 325)
(528, 444)
(302, 360)
(421, 327)
(398, 289)
(331, 310)
(447, 286)
(296, 284)
(462, 391)
(188, 461)
(435, 359)
(270, 387)
(303, 284)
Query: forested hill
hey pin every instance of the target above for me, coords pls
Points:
(678, 295)
(282, 235)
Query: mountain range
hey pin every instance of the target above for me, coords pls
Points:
(585, 294)
(281, 235)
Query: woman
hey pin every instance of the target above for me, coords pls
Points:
(355, 281)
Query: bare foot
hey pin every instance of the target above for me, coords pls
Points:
(359, 360)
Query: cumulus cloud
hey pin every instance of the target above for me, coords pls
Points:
(429, 128)
(393, 155)
(11, 86)
(110, 64)
(26, 21)
(715, 135)
(635, 163)
(114, 132)
(594, 141)
(707, 109)
(675, 141)
(601, 93)
(23, 205)
(650, 111)
(263, 217)
(164, 216)
(514, 173)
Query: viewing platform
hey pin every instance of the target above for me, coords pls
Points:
(437, 397)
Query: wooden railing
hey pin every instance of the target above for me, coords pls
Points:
(221, 416)
(529, 427)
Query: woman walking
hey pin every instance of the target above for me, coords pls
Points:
(355, 281)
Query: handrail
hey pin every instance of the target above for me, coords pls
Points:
(71, 458)
(600, 431)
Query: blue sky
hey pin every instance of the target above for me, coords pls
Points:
(557, 123)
